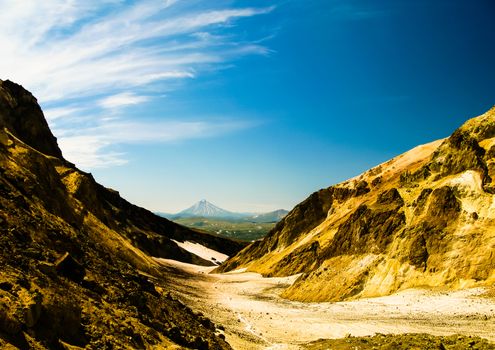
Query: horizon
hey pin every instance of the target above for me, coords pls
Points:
(252, 104)
(219, 207)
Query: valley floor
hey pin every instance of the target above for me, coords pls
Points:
(255, 317)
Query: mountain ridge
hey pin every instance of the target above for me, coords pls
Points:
(205, 209)
(77, 267)
(417, 220)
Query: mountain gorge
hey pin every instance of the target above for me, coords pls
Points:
(84, 268)
(423, 219)
(77, 267)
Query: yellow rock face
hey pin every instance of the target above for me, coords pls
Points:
(423, 219)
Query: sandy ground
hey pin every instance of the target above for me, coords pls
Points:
(255, 317)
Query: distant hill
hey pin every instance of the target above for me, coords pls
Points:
(244, 226)
(273, 216)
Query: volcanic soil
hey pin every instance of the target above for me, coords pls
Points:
(254, 316)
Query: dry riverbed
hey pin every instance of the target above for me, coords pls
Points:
(255, 317)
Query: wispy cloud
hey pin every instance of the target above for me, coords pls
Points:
(52, 114)
(63, 49)
(98, 141)
(103, 52)
(121, 100)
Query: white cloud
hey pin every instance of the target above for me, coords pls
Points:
(121, 100)
(90, 151)
(83, 50)
(91, 147)
(52, 114)
(60, 49)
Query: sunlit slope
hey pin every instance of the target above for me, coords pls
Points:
(423, 219)
(75, 257)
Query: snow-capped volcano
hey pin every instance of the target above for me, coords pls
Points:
(203, 208)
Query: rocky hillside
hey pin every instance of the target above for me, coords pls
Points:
(76, 257)
(423, 219)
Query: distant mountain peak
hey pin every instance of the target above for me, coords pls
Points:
(204, 208)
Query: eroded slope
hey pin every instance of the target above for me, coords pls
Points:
(75, 257)
(425, 218)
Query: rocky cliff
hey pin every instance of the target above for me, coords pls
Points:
(423, 219)
(76, 257)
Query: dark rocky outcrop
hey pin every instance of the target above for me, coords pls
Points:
(69, 267)
(303, 259)
(368, 230)
(23, 117)
(460, 152)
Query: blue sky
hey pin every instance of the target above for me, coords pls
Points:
(252, 105)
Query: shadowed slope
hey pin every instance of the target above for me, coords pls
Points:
(76, 269)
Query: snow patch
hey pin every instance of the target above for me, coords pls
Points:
(202, 251)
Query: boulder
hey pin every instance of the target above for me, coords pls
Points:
(69, 267)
